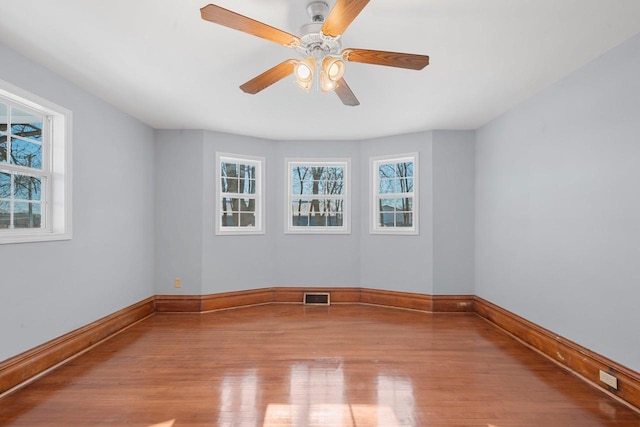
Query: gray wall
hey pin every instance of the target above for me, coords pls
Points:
(558, 207)
(178, 211)
(51, 288)
(453, 212)
(316, 260)
(188, 248)
(232, 263)
(399, 263)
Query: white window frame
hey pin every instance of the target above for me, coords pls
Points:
(344, 163)
(56, 167)
(258, 196)
(375, 195)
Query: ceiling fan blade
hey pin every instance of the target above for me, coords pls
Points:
(345, 94)
(390, 59)
(269, 77)
(342, 14)
(227, 18)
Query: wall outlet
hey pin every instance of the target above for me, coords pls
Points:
(177, 282)
(608, 379)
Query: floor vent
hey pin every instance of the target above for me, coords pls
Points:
(317, 298)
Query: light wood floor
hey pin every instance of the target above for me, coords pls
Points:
(290, 365)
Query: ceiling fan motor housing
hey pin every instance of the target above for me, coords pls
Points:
(318, 10)
(315, 44)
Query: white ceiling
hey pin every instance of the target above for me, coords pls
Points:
(160, 62)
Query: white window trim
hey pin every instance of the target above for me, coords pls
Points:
(374, 163)
(58, 122)
(346, 224)
(259, 162)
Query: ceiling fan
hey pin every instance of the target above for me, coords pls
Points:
(319, 46)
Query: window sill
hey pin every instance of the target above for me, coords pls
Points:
(31, 237)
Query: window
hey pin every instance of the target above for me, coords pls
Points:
(239, 205)
(317, 196)
(35, 160)
(395, 194)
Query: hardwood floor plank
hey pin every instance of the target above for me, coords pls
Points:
(293, 365)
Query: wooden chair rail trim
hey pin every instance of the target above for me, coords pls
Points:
(19, 369)
(571, 356)
(579, 360)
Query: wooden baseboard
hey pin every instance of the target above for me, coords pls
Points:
(295, 294)
(453, 304)
(20, 368)
(575, 358)
(236, 299)
(406, 300)
(351, 295)
(564, 352)
(212, 302)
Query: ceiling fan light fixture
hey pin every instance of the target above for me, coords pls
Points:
(326, 83)
(334, 67)
(303, 73)
(331, 72)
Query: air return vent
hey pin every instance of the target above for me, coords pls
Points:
(316, 298)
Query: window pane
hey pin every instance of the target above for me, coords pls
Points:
(3, 118)
(24, 153)
(404, 204)
(230, 213)
(229, 220)
(336, 220)
(229, 185)
(247, 171)
(387, 205)
(387, 186)
(331, 205)
(306, 187)
(235, 204)
(300, 173)
(229, 169)
(296, 187)
(316, 219)
(404, 185)
(26, 215)
(300, 220)
(300, 210)
(387, 171)
(225, 205)
(247, 220)
(404, 169)
(334, 173)
(334, 187)
(404, 219)
(5, 215)
(318, 187)
(247, 186)
(300, 207)
(385, 219)
(247, 205)
(26, 187)
(26, 125)
(5, 185)
(3, 148)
